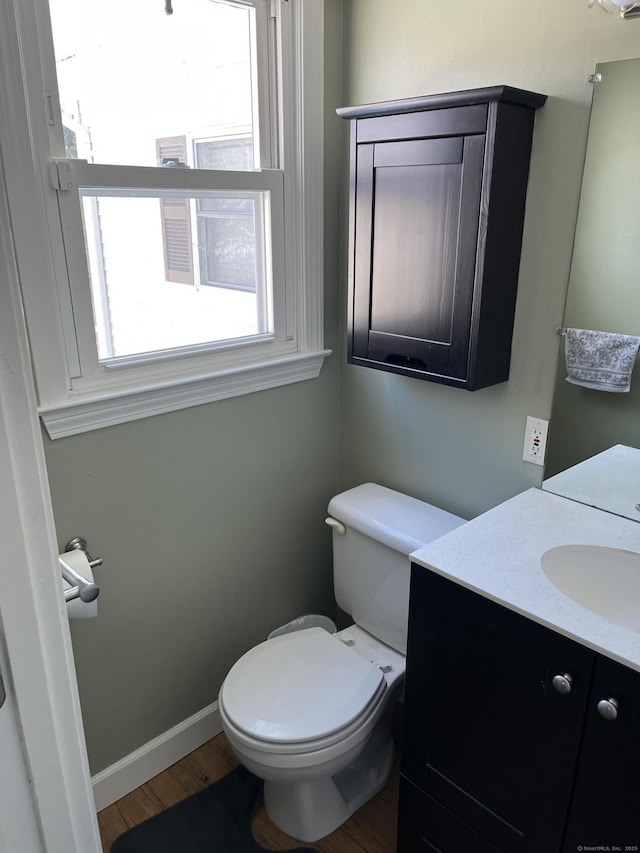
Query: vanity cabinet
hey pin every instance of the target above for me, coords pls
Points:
(499, 756)
(437, 198)
(605, 808)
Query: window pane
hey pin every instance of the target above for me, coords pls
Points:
(145, 281)
(130, 76)
(231, 152)
(228, 153)
(229, 252)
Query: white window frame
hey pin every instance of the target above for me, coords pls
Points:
(75, 396)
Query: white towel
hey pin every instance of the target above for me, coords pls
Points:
(600, 360)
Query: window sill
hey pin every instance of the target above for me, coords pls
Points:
(102, 410)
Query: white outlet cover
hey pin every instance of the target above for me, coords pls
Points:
(535, 441)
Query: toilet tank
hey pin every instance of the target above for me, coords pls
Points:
(371, 566)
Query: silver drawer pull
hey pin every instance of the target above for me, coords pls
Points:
(562, 683)
(608, 708)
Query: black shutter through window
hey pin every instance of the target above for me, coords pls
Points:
(175, 214)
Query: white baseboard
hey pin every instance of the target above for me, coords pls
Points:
(138, 767)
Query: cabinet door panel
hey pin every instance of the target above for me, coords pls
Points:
(418, 152)
(418, 203)
(605, 813)
(414, 269)
(490, 739)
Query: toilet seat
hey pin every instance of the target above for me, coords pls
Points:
(299, 691)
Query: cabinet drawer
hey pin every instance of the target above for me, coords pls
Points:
(424, 826)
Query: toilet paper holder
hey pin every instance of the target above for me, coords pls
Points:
(79, 587)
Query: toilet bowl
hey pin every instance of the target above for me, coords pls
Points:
(309, 712)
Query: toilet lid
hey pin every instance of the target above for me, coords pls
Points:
(299, 686)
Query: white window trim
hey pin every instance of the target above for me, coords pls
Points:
(66, 407)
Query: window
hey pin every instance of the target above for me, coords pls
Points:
(182, 196)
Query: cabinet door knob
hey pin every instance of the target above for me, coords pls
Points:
(608, 708)
(562, 683)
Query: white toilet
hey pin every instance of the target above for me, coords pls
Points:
(309, 711)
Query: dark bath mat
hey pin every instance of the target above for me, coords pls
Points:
(215, 820)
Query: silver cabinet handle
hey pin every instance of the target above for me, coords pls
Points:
(562, 683)
(608, 708)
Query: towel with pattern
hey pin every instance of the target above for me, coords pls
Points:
(600, 360)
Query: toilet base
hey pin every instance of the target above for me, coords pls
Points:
(311, 809)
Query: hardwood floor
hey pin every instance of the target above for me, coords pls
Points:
(371, 830)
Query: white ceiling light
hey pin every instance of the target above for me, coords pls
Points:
(623, 7)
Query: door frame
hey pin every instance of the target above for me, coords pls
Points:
(19, 827)
(41, 682)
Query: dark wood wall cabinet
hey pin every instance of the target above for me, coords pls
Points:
(437, 189)
(516, 739)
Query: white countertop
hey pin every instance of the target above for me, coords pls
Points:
(498, 555)
(610, 481)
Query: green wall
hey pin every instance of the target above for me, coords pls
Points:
(210, 520)
(459, 449)
(210, 525)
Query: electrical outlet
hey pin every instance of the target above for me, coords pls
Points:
(535, 441)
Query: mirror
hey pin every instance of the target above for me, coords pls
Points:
(604, 295)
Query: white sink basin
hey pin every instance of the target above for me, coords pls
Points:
(605, 581)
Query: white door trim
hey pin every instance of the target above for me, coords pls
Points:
(19, 827)
(41, 680)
